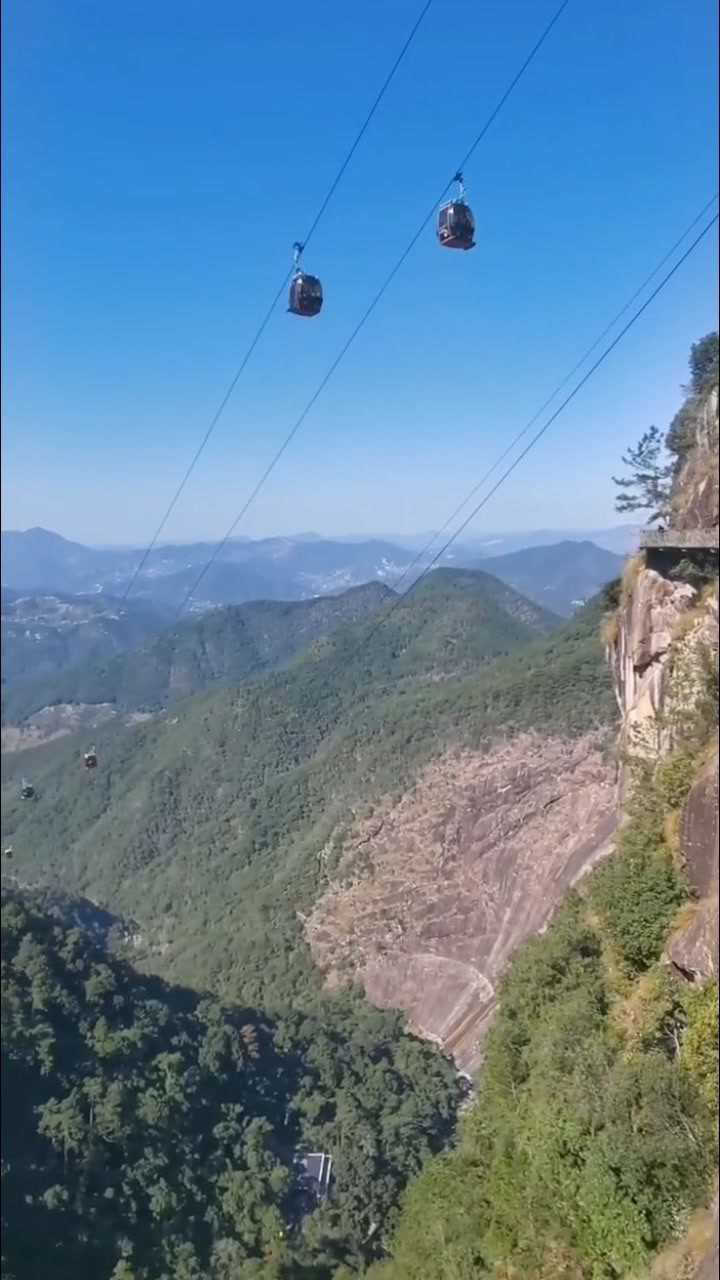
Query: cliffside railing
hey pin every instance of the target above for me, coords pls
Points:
(679, 540)
(667, 550)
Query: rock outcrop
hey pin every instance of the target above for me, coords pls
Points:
(660, 644)
(655, 647)
(640, 651)
(693, 949)
(695, 491)
(436, 892)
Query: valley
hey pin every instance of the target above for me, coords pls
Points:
(234, 793)
(360, 641)
(394, 879)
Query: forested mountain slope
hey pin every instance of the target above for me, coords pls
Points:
(232, 644)
(207, 824)
(151, 1134)
(43, 634)
(223, 646)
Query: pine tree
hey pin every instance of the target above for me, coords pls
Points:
(648, 487)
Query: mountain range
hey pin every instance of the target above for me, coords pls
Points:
(222, 646)
(43, 634)
(562, 576)
(269, 569)
(61, 604)
(205, 823)
(229, 645)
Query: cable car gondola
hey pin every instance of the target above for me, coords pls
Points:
(455, 224)
(27, 790)
(8, 853)
(90, 759)
(306, 294)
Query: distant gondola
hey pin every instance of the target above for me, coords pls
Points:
(455, 224)
(306, 294)
(8, 853)
(90, 759)
(27, 790)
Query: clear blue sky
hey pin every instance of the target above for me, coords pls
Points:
(161, 158)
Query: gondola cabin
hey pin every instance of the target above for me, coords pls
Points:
(456, 225)
(90, 759)
(27, 791)
(306, 295)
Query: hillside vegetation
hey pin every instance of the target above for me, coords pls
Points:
(229, 645)
(151, 1134)
(42, 634)
(593, 1135)
(205, 826)
(224, 646)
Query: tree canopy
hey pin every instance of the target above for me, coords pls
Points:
(150, 1133)
(704, 363)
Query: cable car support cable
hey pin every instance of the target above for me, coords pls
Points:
(271, 309)
(371, 307)
(531, 423)
(539, 434)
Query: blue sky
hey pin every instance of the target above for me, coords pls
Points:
(159, 162)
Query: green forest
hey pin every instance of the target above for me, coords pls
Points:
(230, 645)
(149, 1133)
(160, 1084)
(224, 646)
(203, 825)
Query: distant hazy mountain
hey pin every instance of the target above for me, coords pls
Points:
(42, 634)
(296, 568)
(270, 569)
(560, 577)
(622, 539)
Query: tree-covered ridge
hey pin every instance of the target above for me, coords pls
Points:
(223, 646)
(229, 645)
(150, 1133)
(205, 825)
(41, 634)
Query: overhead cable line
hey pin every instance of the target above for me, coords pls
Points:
(538, 434)
(370, 308)
(271, 309)
(520, 435)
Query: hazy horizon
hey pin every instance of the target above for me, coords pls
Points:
(469, 537)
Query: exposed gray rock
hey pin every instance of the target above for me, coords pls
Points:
(431, 902)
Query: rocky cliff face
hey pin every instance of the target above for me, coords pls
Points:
(695, 491)
(660, 644)
(693, 950)
(639, 651)
(437, 890)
